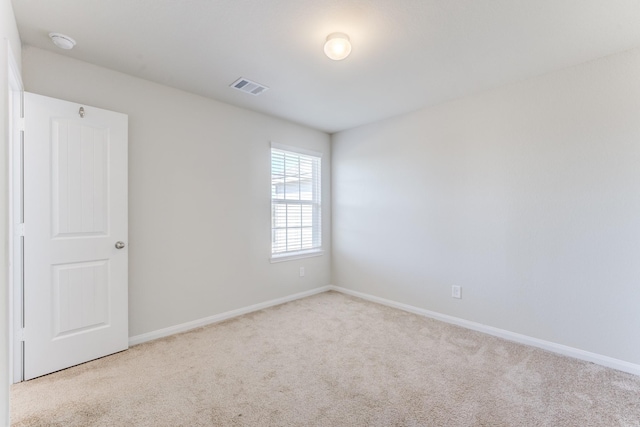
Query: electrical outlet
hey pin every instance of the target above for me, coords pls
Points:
(456, 291)
(301, 271)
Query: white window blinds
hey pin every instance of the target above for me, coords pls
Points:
(295, 202)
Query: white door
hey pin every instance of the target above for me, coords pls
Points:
(75, 234)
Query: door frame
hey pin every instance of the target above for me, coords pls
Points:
(16, 218)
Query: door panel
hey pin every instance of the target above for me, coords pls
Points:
(80, 297)
(76, 287)
(79, 179)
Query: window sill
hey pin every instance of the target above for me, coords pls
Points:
(297, 255)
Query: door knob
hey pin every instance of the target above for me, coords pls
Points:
(119, 245)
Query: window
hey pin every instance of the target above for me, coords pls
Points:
(295, 203)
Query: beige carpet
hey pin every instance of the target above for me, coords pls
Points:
(330, 360)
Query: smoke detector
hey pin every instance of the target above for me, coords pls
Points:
(62, 41)
(248, 86)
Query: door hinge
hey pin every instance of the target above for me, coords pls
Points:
(20, 229)
(20, 123)
(20, 335)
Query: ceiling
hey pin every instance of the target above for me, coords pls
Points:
(407, 54)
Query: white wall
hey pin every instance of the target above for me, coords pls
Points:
(527, 196)
(9, 40)
(199, 194)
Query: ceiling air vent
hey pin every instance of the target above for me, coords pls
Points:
(248, 86)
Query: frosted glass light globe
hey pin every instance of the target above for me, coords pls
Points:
(337, 46)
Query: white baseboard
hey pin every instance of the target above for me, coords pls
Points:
(564, 350)
(139, 339)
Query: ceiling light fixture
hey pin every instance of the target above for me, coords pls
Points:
(62, 41)
(337, 46)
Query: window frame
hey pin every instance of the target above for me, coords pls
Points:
(316, 204)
